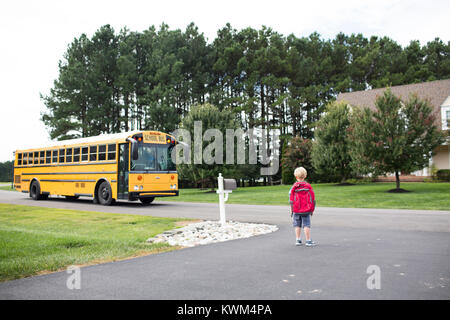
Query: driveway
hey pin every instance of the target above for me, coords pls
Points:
(409, 251)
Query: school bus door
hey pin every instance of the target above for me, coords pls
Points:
(122, 177)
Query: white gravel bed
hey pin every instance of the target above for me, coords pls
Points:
(211, 231)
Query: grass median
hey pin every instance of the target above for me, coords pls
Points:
(37, 240)
(423, 196)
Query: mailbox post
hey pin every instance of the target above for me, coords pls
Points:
(225, 187)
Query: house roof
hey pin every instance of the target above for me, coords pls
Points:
(436, 92)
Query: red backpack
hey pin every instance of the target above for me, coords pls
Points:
(302, 198)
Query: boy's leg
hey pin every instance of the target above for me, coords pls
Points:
(307, 229)
(306, 222)
(298, 231)
(307, 233)
(297, 224)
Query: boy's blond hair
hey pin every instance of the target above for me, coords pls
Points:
(300, 173)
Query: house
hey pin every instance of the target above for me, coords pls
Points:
(436, 92)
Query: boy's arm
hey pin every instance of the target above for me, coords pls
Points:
(290, 199)
(314, 199)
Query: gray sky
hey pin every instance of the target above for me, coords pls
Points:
(35, 34)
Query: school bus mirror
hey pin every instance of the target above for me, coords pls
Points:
(134, 149)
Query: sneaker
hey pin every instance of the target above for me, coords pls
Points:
(298, 242)
(310, 243)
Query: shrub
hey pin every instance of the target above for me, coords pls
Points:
(363, 180)
(443, 174)
(297, 153)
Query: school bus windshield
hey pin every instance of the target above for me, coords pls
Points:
(153, 157)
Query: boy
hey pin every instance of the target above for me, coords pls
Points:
(303, 203)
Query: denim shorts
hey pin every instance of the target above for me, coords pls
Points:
(301, 220)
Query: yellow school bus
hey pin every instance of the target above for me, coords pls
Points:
(130, 165)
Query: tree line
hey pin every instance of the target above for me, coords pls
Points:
(6, 171)
(398, 136)
(114, 82)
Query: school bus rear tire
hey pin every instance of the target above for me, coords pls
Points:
(104, 194)
(35, 191)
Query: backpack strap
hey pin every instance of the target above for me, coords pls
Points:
(298, 190)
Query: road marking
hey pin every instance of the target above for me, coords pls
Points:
(315, 291)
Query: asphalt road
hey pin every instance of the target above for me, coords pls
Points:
(411, 250)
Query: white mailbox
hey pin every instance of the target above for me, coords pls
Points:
(226, 186)
(229, 184)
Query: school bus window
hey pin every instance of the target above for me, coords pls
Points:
(76, 154)
(42, 157)
(111, 152)
(36, 157)
(84, 154)
(19, 159)
(69, 155)
(48, 156)
(55, 156)
(25, 159)
(61, 155)
(102, 152)
(93, 153)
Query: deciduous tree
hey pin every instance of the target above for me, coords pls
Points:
(330, 154)
(398, 136)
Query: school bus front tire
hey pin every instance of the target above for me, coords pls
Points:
(147, 201)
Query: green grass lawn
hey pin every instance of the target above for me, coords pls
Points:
(7, 188)
(423, 196)
(38, 240)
